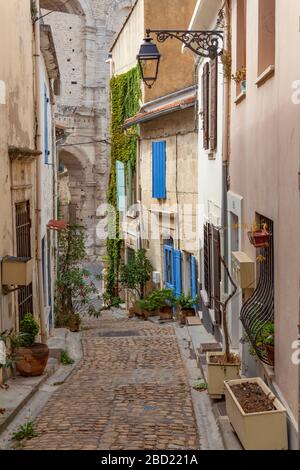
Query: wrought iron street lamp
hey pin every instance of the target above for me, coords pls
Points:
(148, 59)
(208, 44)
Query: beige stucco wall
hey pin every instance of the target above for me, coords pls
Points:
(17, 128)
(128, 43)
(176, 70)
(178, 130)
(265, 141)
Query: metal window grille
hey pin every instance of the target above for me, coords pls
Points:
(258, 310)
(23, 240)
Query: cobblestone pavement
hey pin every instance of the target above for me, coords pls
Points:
(130, 391)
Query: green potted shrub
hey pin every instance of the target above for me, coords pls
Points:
(187, 304)
(30, 357)
(159, 302)
(134, 276)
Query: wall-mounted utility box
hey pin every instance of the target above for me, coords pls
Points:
(16, 271)
(156, 277)
(243, 270)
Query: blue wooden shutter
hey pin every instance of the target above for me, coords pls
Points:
(177, 272)
(46, 130)
(159, 170)
(168, 263)
(121, 193)
(193, 276)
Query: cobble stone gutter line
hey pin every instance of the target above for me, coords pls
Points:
(128, 392)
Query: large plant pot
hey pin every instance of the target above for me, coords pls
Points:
(31, 361)
(166, 313)
(270, 353)
(218, 373)
(257, 431)
(184, 313)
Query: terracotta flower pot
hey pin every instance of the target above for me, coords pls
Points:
(184, 313)
(166, 313)
(31, 361)
(259, 238)
(270, 353)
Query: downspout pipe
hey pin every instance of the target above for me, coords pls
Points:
(39, 144)
(226, 141)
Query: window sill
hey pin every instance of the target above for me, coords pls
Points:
(268, 73)
(240, 97)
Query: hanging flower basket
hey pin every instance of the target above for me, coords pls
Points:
(259, 238)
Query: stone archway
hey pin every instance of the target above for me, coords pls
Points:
(77, 191)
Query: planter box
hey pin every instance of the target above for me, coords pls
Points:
(257, 431)
(184, 313)
(218, 373)
(16, 271)
(166, 313)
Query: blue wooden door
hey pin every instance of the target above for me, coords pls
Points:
(168, 262)
(177, 257)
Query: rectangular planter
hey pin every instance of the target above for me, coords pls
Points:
(257, 431)
(218, 373)
(17, 271)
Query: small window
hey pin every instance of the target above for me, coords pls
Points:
(266, 35)
(241, 49)
(159, 170)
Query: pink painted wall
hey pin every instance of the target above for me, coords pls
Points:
(264, 165)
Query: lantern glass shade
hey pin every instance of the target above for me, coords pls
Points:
(148, 59)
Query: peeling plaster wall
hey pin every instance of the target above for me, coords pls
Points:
(17, 180)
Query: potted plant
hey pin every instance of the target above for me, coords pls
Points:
(223, 365)
(186, 304)
(257, 416)
(73, 285)
(259, 236)
(240, 78)
(159, 302)
(30, 357)
(134, 276)
(147, 307)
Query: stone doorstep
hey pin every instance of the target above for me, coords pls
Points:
(20, 391)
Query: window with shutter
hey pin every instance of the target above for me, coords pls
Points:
(121, 193)
(205, 105)
(213, 111)
(159, 170)
(46, 129)
(207, 260)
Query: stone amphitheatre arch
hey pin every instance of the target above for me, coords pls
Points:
(82, 107)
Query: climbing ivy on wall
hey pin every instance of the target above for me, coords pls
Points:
(125, 93)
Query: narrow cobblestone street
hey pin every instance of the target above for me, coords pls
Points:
(129, 391)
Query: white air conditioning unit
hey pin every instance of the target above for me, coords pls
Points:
(156, 277)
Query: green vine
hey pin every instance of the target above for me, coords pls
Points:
(125, 94)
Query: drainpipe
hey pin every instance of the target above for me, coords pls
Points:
(39, 118)
(226, 140)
